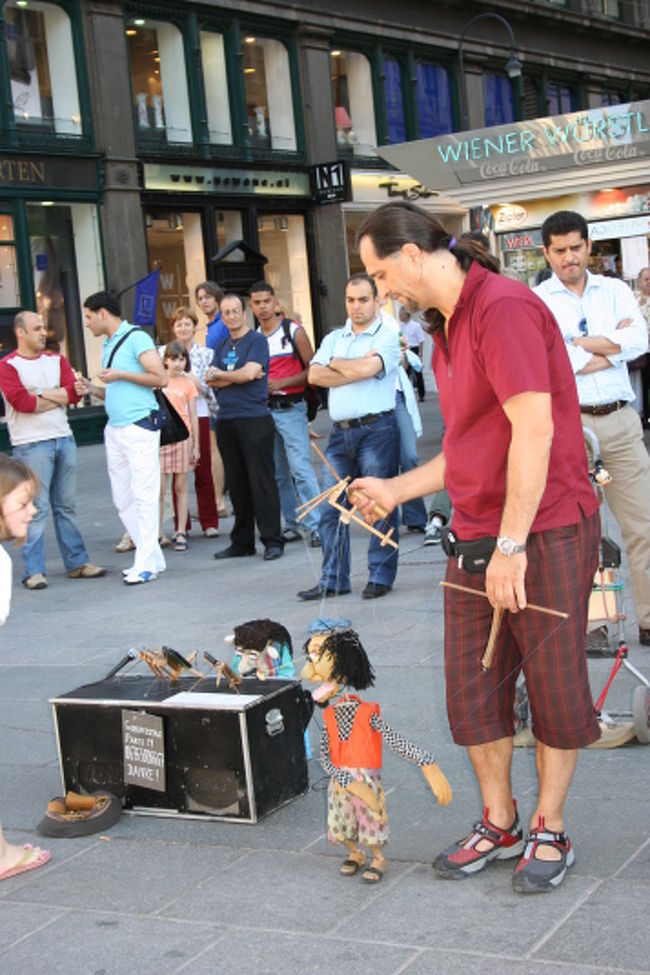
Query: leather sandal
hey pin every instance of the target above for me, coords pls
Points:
(374, 873)
(350, 866)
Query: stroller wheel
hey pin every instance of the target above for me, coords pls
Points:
(641, 713)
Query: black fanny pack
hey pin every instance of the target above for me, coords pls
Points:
(472, 556)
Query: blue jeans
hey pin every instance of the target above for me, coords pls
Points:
(413, 512)
(294, 474)
(359, 452)
(55, 463)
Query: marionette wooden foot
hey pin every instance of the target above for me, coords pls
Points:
(354, 862)
(377, 868)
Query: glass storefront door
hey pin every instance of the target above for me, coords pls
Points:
(9, 284)
(175, 242)
(177, 246)
(282, 241)
(52, 233)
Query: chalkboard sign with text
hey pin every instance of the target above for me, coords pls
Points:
(143, 746)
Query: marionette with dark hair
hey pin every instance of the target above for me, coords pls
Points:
(351, 747)
(263, 649)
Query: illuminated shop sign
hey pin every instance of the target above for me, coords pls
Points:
(627, 207)
(598, 136)
(228, 182)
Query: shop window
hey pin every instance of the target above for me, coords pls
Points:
(282, 241)
(269, 99)
(434, 100)
(159, 81)
(559, 99)
(531, 107)
(354, 109)
(229, 227)
(42, 67)
(9, 284)
(213, 58)
(611, 8)
(66, 262)
(175, 242)
(394, 101)
(499, 100)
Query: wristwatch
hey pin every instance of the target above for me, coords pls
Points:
(39, 391)
(508, 546)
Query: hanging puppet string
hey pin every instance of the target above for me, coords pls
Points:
(480, 674)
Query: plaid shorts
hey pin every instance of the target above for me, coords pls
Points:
(550, 651)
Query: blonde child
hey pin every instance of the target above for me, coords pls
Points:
(176, 459)
(18, 488)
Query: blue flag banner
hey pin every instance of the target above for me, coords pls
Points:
(146, 296)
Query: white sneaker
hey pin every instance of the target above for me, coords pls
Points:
(432, 534)
(136, 580)
(211, 532)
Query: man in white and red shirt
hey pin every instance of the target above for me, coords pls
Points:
(290, 353)
(37, 387)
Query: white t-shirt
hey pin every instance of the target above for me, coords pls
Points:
(5, 584)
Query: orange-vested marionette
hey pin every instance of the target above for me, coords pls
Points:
(351, 747)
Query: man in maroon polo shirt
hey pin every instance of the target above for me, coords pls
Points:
(525, 524)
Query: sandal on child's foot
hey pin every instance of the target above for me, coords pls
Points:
(180, 543)
(374, 872)
(351, 866)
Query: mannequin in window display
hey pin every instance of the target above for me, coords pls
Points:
(345, 134)
(158, 114)
(50, 303)
(260, 121)
(143, 114)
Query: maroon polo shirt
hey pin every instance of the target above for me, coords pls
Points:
(502, 341)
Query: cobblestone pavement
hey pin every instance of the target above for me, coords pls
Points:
(175, 895)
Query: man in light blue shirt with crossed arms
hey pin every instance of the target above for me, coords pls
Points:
(358, 365)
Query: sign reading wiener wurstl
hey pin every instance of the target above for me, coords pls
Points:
(596, 136)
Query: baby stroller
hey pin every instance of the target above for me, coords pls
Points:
(606, 625)
(605, 637)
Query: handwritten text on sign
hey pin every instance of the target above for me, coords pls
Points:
(143, 743)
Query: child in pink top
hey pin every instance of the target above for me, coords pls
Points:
(176, 459)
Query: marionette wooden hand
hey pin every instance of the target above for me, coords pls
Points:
(365, 793)
(438, 783)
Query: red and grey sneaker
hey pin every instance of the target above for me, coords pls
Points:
(534, 876)
(463, 859)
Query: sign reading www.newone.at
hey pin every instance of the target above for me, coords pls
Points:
(600, 136)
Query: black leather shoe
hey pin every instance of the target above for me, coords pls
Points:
(318, 592)
(232, 552)
(644, 636)
(272, 552)
(374, 590)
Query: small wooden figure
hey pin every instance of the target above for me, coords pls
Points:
(351, 747)
(166, 663)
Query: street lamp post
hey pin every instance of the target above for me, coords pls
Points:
(513, 64)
